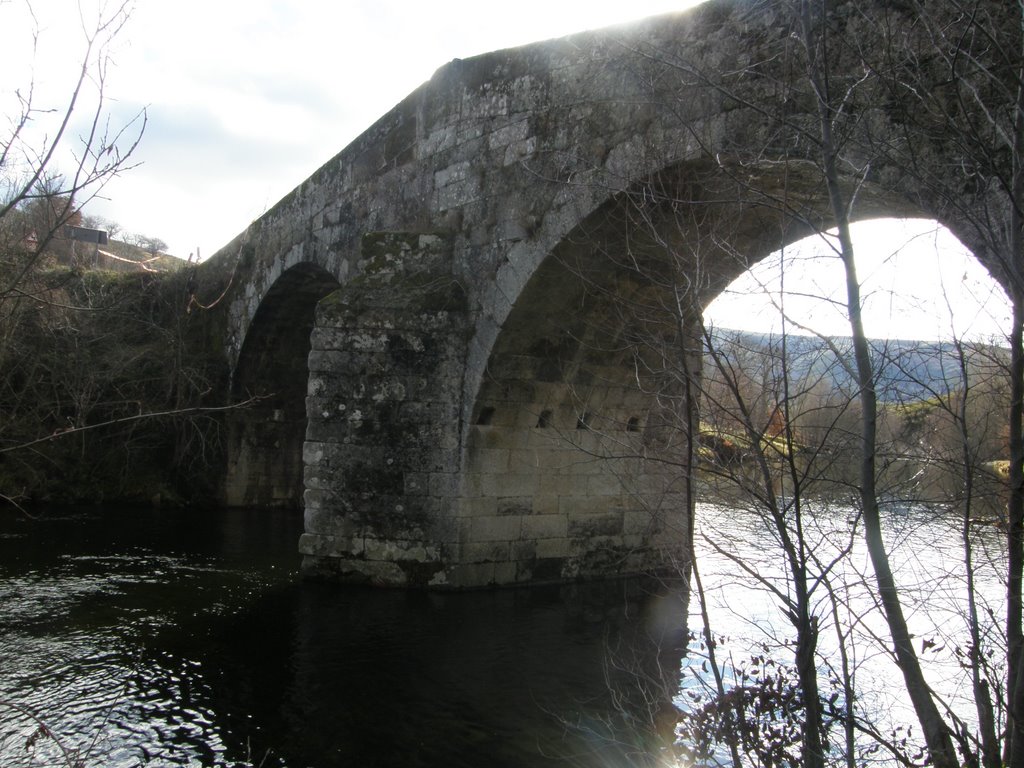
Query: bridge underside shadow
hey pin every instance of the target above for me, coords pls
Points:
(265, 435)
(576, 457)
(580, 455)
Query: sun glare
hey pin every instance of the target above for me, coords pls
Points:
(918, 282)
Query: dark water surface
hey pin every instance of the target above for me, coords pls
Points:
(151, 637)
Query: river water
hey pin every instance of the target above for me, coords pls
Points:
(744, 574)
(148, 637)
(176, 638)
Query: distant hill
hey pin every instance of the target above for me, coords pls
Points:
(907, 370)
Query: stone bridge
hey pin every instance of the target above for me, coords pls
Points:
(476, 331)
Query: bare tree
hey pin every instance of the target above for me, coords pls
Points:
(819, 117)
(31, 172)
(814, 36)
(153, 245)
(957, 72)
(87, 358)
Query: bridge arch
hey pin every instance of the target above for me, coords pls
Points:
(431, 463)
(575, 450)
(265, 437)
(485, 236)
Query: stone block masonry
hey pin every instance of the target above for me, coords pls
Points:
(400, 492)
(382, 439)
(478, 405)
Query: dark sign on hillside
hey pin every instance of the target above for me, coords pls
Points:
(86, 235)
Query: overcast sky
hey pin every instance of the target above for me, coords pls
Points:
(246, 100)
(917, 282)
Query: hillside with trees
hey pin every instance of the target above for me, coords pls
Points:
(800, 394)
(98, 398)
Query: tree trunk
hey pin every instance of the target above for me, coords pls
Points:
(1015, 545)
(936, 733)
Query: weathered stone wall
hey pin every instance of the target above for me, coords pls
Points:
(481, 154)
(554, 494)
(512, 161)
(382, 444)
(554, 483)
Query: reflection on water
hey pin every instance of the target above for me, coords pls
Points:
(170, 638)
(743, 570)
